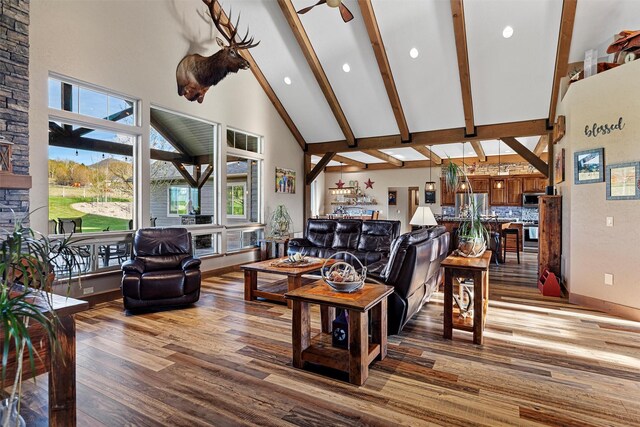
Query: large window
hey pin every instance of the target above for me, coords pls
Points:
(243, 141)
(236, 199)
(91, 159)
(183, 200)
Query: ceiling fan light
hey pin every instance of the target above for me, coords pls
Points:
(333, 3)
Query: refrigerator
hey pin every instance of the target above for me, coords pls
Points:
(464, 203)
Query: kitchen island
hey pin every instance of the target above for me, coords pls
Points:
(493, 224)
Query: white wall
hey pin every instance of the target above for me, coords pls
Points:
(590, 248)
(133, 47)
(383, 180)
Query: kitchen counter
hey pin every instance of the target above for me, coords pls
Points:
(493, 224)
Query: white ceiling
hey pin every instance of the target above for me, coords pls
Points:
(428, 86)
(511, 79)
(361, 91)
(404, 154)
(361, 157)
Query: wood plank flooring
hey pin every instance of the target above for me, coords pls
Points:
(228, 362)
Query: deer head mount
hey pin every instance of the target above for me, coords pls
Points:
(196, 73)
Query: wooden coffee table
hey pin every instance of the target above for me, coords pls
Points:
(294, 278)
(361, 353)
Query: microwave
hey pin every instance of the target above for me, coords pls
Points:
(531, 199)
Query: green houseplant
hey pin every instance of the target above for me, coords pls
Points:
(26, 278)
(472, 234)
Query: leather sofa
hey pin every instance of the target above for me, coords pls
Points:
(162, 271)
(369, 241)
(413, 269)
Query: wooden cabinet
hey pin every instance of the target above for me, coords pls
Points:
(498, 196)
(447, 198)
(550, 234)
(514, 191)
(479, 185)
(534, 184)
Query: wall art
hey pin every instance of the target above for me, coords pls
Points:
(285, 181)
(623, 181)
(588, 166)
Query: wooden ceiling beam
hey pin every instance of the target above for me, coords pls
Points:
(436, 137)
(318, 168)
(527, 154)
(460, 33)
(350, 162)
(477, 147)
(300, 34)
(377, 44)
(562, 53)
(428, 153)
(541, 145)
(411, 164)
(385, 157)
(268, 90)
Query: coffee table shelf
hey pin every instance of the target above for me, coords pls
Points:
(321, 352)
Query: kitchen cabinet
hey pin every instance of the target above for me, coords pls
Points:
(534, 184)
(480, 185)
(498, 196)
(447, 198)
(514, 191)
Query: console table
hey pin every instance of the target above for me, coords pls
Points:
(281, 247)
(360, 353)
(62, 369)
(456, 267)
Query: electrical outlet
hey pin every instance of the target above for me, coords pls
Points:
(609, 221)
(87, 291)
(608, 279)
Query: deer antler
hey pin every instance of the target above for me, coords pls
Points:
(225, 27)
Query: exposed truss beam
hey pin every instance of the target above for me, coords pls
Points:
(348, 161)
(205, 176)
(293, 19)
(384, 156)
(477, 147)
(112, 118)
(460, 33)
(541, 145)
(428, 153)
(318, 168)
(375, 37)
(166, 134)
(562, 53)
(527, 154)
(436, 137)
(268, 90)
(185, 174)
(411, 164)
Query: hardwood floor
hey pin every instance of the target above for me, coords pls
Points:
(225, 361)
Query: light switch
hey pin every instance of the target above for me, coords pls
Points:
(609, 221)
(608, 279)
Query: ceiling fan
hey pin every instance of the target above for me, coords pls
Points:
(346, 14)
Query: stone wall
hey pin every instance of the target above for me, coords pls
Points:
(14, 101)
(477, 168)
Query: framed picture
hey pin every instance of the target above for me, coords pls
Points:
(558, 167)
(430, 192)
(623, 181)
(393, 196)
(285, 181)
(588, 166)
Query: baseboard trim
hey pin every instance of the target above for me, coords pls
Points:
(221, 270)
(102, 297)
(608, 307)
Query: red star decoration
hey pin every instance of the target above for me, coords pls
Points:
(369, 184)
(340, 184)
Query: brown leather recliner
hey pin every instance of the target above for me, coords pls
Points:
(162, 270)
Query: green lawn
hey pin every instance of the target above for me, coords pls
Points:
(60, 207)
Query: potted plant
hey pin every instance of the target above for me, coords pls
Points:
(26, 279)
(472, 234)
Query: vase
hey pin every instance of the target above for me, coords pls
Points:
(9, 412)
(471, 247)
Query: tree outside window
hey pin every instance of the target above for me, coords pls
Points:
(236, 200)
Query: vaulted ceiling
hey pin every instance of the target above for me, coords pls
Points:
(466, 79)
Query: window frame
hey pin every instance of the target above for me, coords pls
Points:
(169, 187)
(244, 199)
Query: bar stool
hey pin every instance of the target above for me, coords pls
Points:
(506, 232)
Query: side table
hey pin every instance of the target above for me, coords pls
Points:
(281, 247)
(318, 350)
(468, 268)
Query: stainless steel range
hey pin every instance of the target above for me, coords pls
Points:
(530, 231)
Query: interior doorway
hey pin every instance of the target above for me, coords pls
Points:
(413, 202)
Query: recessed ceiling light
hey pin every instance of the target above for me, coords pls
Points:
(287, 81)
(346, 67)
(507, 32)
(414, 53)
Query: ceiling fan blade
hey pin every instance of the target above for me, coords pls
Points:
(307, 9)
(346, 14)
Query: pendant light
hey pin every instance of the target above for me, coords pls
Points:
(430, 185)
(463, 183)
(500, 181)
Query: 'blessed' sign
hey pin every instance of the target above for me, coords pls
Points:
(597, 130)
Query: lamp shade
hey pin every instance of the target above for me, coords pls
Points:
(423, 216)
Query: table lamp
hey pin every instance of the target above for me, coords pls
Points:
(423, 216)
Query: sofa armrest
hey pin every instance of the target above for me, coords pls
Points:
(300, 242)
(133, 266)
(191, 263)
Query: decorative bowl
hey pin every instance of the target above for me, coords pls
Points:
(342, 276)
